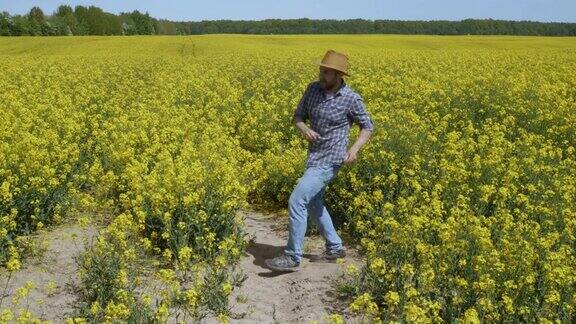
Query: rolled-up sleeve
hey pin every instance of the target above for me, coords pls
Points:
(359, 114)
(301, 110)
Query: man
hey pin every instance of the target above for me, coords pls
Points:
(331, 107)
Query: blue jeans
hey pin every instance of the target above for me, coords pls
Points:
(307, 198)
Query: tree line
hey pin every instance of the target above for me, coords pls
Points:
(92, 20)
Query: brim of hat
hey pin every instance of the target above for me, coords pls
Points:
(319, 62)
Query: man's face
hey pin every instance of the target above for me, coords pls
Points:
(328, 78)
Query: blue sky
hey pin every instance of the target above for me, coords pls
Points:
(537, 10)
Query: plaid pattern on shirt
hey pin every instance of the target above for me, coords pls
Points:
(331, 116)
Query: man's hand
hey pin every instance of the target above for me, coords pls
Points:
(350, 156)
(310, 135)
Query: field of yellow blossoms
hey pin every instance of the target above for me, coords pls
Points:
(463, 200)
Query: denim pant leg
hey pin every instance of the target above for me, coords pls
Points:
(323, 221)
(310, 184)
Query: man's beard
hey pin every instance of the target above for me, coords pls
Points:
(325, 85)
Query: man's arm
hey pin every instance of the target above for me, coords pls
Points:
(361, 117)
(299, 123)
(361, 140)
(301, 115)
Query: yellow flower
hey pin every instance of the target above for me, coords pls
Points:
(223, 318)
(226, 288)
(392, 298)
(185, 253)
(122, 278)
(95, 308)
(471, 317)
(6, 316)
(365, 304)
(335, 319)
(352, 269)
(191, 296)
(378, 266)
(13, 265)
(415, 314)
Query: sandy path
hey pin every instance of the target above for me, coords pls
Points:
(54, 274)
(295, 297)
(264, 297)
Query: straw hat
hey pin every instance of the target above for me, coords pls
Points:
(335, 60)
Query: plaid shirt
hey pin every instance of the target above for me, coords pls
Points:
(331, 116)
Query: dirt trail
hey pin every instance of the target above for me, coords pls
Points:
(264, 297)
(295, 297)
(54, 274)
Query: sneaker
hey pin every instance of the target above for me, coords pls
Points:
(283, 263)
(329, 256)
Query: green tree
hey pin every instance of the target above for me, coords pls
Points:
(112, 25)
(142, 23)
(35, 21)
(67, 18)
(96, 21)
(36, 14)
(5, 24)
(20, 26)
(82, 26)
